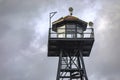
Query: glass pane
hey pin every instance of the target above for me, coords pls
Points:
(70, 30)
(61, 32)
(62, 35)
(79, 32)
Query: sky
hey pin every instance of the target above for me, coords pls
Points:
(24, 28)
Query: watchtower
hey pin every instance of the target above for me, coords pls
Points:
(70, 39)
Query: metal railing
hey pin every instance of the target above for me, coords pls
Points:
(71, 33)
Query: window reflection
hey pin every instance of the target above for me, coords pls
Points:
(70, 31)
(61, 32)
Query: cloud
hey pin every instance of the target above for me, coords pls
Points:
(24, 33)
(106, 47)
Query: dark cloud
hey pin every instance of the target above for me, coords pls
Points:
(105, 55)
(17, 32)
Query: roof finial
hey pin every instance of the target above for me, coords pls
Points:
(71, 11)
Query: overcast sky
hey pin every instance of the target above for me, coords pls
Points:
(24, 33)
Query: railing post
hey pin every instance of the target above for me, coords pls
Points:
(49, 32)
(92, 33)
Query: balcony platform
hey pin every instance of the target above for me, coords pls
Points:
(55, 45)
(69, 45)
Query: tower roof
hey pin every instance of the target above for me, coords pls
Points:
(68, 20)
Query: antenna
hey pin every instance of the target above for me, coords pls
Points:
(71, 10)
(50, 17)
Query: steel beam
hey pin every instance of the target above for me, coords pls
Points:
(71, 67)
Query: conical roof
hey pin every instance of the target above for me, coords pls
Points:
(68, 20)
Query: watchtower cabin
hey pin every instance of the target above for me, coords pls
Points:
(70, 39)
(69, 33)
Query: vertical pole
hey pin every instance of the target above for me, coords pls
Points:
(50, 16)
(76, 31)
(50, 20)
(49, 35)
(92, 33)
(70, 68)
(83, 65)
(59, 66)
(79, 66)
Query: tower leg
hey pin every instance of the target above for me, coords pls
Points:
(83, 66)
(71, 67)
(59, 66)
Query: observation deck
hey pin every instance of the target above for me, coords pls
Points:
(70, 42)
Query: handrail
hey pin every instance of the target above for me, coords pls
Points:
(89, 33)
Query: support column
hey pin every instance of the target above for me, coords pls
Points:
(59, 66)
(83, 66)
(71, 67)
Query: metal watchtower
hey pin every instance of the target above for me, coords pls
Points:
(70, 40)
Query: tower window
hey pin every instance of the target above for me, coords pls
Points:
(70, 30)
